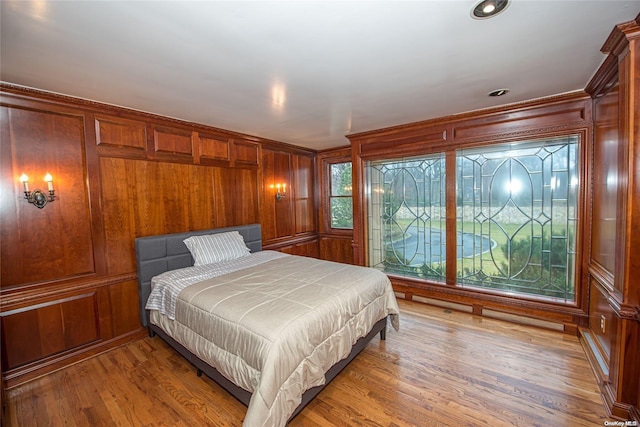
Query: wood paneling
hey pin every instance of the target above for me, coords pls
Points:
(572, 113)
(277, 216)
(118, 174)
(286, 221)
(601, 320)
(246, 153)
(605, 178)
(304, 194)
(53, 243)
(124, 303)
(51, 327)
(118, 198)
(214, 147)
(236, 195)
(172, 143)
(397, 142)
(308, 248)
(115, 134)
(155, 198)
(336, 248)
(612, 340)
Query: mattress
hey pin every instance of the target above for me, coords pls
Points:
(276, 327)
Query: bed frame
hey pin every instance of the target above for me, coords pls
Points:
(157, 254)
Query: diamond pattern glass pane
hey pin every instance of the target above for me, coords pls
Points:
(517, 204)
(407, 232)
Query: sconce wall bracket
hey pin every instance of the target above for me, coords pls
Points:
(39, 198)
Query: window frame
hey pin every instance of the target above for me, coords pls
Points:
(451, 280)
(326, 159)
(338, 197)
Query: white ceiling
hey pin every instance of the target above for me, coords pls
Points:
(306, 73)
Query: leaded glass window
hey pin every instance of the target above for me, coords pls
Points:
(407, 230)
(516, 217)
(520, 203)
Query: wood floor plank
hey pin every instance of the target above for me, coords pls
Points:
(444, 368)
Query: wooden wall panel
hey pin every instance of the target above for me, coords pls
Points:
(162, 190)
(55, 242)
(246, 153)
(304, 194)
(119, 174)
(172, 144)
(336, 248)
(525, 119)
(307, 248)
(118, 201)
(605, 179)
(277, 216)
(51, 327)
(199, 197)
(117, 132)
(601, 319)
(287, 221)
(142, 198)
(237, 199)
(214, 147)
(124, 303)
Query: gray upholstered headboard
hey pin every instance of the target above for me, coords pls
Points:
(157, 254)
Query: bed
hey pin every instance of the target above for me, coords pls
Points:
(272, 329)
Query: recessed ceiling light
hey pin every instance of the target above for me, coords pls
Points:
(488, 8)
(499, 92)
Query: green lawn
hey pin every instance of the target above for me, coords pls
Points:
(491, 259)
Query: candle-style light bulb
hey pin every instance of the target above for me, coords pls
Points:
(49, 180)
(24, 179)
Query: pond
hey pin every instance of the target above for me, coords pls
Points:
(415, 250)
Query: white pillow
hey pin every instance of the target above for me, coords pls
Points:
(210, 248)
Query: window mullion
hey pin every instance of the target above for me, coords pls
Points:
(451, 221)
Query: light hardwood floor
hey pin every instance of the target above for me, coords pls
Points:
(442, 369)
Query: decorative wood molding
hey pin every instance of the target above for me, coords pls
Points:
(540, 102)
(25, 295)
(617, 40)
(605, 77)
(602, 275)
(100, 107)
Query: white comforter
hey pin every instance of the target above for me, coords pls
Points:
(275, 329)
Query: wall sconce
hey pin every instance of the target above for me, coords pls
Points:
(281, 191)
(38, 197)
